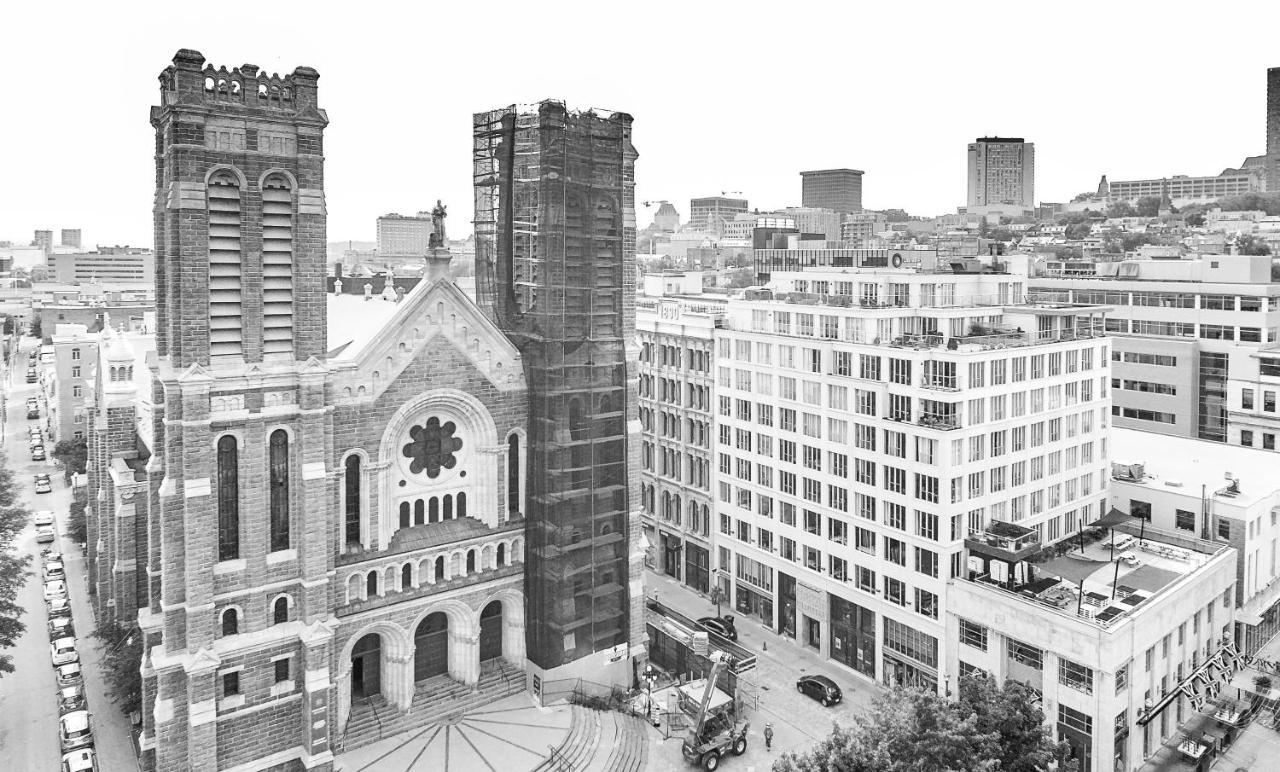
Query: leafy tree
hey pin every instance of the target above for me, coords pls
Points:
(13, 566)
(914, 730)
(1194, 219)
(77, 524)
(36, 332)
(1248, 244)
(1267, 202)
(74, 455)
(1080, 230)
(1131, 241)
(122, 664)
(1121, 209)
(1148, 206)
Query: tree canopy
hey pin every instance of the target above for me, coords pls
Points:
(13, 567)
(985, 729)
(121, 664)
(1248, 244)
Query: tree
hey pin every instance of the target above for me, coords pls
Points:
(1248, 244)
(122, 664)
(915, 730)
(13, 566)
(36, 332)
(1148, 206)
(77, 524)
(1077, 231)
(1121, 209)
(1194, 219)
(73, 454)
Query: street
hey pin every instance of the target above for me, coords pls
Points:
(28, 696)
(798, 721)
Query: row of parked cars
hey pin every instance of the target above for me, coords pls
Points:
(75, 729)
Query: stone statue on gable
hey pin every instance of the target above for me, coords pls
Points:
(438, 214)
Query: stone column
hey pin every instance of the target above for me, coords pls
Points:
(342, 698)
(486, 487)
(513, 639)
(464, 657)
(202, 717)
(397, 677)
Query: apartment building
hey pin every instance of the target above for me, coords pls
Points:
(677, 417)
(1228, 495)
(1182, 190)
(866, 424)
(74, 357)
(1122, 651)
(1191, 342)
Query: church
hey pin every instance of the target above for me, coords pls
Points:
(337, 514)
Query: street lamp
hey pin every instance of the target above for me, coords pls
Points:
(650, 676)
(717, 596)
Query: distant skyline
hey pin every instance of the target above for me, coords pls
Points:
(724, 99)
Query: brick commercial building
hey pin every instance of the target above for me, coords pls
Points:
(313, 505)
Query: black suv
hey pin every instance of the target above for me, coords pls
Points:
(721, 626)
(820, 688)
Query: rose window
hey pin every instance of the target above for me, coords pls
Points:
(433, 447)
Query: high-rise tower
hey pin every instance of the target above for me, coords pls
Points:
(239, 553)
(555, 268)
(1002, 173)
(1273, 129)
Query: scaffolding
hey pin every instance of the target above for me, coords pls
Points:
(555, 269)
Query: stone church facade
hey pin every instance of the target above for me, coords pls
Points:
(310, 505)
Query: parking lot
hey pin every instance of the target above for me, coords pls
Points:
(28, 696)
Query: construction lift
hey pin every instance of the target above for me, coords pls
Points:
(716, 731)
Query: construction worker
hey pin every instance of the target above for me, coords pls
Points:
(768, 737)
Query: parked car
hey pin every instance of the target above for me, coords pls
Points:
(820, 688)
(64, 651)
(71, 698)
(69, 675)
(31, 375)
(45, 534)
(74, 730)
(721, 626)
(51, 555)
(60, 627)
(37, 453)
(80, 760)
(43, 484)
(43, 517)
(54, 590)
(33, 412)
(54, 571)
(34, 441)
(59, 607)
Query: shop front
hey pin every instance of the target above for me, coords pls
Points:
(910, 657)
(787, 605)
(754, 596)
(853, 636)
(697, 567)
(670, 547)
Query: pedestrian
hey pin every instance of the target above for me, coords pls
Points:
(768, 737)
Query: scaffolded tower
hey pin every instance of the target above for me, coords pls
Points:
(555, 268)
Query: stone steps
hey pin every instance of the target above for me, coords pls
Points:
(600, 741)
(436, 699)
(631, 747)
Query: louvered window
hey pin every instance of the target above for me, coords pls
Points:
(277, 266)
(226, 330)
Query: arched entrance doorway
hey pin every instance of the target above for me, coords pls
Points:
(491, 631)
(366, 667)
(431, 647)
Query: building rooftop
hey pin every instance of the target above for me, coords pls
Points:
(354, 321)
(1183, 465)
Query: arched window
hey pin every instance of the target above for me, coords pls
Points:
(405, 522)
(353, 499)
(433, 510)
(440, 569)
(462, 505)
(371, 585)
(279, 490)
(406, 576)
(277, 265)
(228, 498)
(448, 507)
(230, 622)
(280, 611)
(502, 555)
(471, 561)
(513, 476)
(419, 512)
(226, 325)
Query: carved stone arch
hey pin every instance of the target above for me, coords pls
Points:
(278, 172)
(355, 587)
(219, 168)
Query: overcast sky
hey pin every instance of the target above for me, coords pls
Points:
(726, 96)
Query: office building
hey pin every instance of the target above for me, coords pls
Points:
(555, 271)
(404, 236)
(1182, 190)
(116, 266)
(70, 238)
(1002, 175)
(1191, 338)
(1121, 651)
(816, 220)
(861, 227)
(43, 240)
(862, 435)
(836, 189)
(677, 420)
(711, 213)
(1203, 490)
(1273, 130)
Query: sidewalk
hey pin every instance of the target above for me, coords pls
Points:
(798, 722)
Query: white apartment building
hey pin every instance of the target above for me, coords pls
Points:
(74, 356)
(1191, 339)
(864, 430)
(1121, 652)
(677, 420)
(1228, 495)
